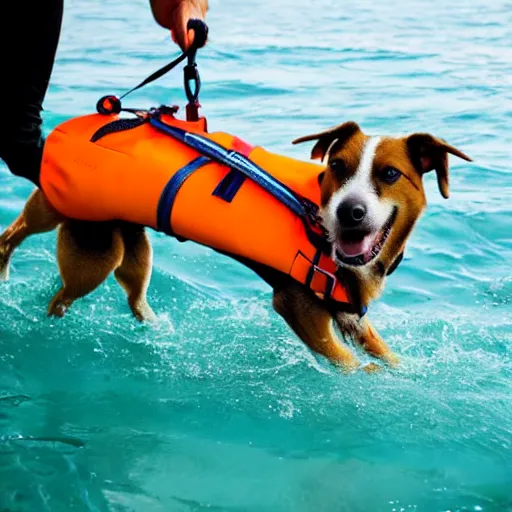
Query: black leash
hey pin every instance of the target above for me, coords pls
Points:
(111, 104)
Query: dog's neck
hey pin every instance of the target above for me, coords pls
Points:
(365, 285)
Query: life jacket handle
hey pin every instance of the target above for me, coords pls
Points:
(111, 104)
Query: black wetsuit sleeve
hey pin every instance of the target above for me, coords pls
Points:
(29, 34)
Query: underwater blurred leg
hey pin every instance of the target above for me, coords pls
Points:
(29, 34)
(37, 217)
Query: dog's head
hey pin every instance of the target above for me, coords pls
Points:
(372, 191)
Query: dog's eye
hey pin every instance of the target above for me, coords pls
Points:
(390, 175)
(337, 165)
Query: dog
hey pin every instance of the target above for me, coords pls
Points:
(372, 195)
(87, 253)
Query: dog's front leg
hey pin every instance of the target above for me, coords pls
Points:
(313, 324)
(370, 340)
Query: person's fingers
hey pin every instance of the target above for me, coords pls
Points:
(183, 12)
(186, 42)
(179, 25)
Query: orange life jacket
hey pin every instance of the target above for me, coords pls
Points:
(104, 167)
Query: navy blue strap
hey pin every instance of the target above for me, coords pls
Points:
(234, 160)
(170, 191)
(229, 185)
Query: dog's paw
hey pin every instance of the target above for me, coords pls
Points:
(372, 368)
(149, 317)
(57, 310)
(144, 313)
(4, 271)
(392, 360)
(5, 258)
(58, 306)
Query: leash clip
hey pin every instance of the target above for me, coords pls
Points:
(190, 72)
(191, 75)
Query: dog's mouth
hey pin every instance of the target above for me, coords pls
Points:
(358, 247)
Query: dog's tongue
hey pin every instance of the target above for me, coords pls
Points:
(353, 248)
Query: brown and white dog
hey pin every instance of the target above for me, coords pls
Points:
(371, 197)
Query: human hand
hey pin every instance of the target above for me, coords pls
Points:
(175, 15)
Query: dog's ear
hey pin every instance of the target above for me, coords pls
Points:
(326, 139)
(429, 153)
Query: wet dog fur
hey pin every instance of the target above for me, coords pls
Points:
(372, 196)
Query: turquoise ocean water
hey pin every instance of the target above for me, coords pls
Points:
(219, 407)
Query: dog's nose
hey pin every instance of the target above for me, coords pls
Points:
(351, 212)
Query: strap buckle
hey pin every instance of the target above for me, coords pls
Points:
(330, 280)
